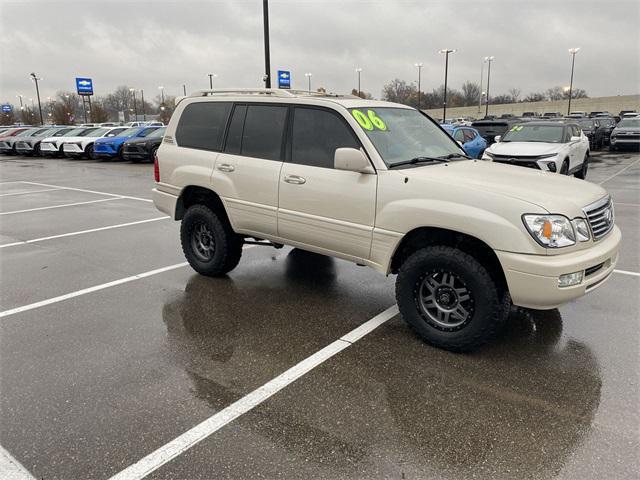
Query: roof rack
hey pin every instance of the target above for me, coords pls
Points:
(243, 91)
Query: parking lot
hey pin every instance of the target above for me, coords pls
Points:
(116, 358)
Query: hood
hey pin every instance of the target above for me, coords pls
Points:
(553, 192)
(524, 148)
(70, 139)
(111, 139)
(143, 140)
(635, 130)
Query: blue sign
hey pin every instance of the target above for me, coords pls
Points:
(284, 79)
(84, 86)
(6, 108)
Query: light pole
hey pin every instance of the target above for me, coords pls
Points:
(446, 52)
(309, 75)
(419, 66)
(144, 113)
(21, 105)
(211, 75)
(135, 106)
(161, 95)
(184, 89)
(481, 91)
(359, 71)
(573, 52)
(267, 53)
(488, 60)
(35, 78)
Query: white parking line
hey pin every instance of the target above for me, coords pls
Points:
(11, 469)
(81, 232)
(627, 272)
(60, 206)
(90, 191)
(26, 193)
(84, 291)
(618, 173)
(179, 445)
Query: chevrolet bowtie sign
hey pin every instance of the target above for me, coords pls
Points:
(84, 86)
(284, 79)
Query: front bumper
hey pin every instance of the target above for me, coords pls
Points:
(104, 150)
(48, 148)
(24, 148)
(5, 147)
(135, 152)
(625, 141)
(72, 149)
(533, 279)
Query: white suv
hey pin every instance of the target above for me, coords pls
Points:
(381, 184)
(545, 145)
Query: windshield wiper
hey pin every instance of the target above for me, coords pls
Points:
(454, 155)
(416, 160)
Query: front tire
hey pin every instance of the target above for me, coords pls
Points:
(449, 299)
(210, 245)
(564, 170)
(582, 173)
(89, 152)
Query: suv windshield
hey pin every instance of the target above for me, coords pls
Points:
(586, 124)
(157, 133)
(534, 133)
(401, 134)
(630, 123)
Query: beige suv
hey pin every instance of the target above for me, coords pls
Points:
(381, 184)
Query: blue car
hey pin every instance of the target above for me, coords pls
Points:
(472, 141)
(111, 147)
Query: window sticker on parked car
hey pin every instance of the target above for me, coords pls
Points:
(517, 128)
(369, 121)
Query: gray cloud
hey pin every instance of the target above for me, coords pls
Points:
(147, 44)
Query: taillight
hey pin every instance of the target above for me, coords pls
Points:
(156, 168)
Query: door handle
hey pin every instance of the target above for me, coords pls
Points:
(294, 179)
(225, 167)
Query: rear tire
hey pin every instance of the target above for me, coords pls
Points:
(582, 173)
(210, 245)
(449, 299)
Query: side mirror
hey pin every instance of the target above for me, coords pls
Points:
(575, 139)
(459, 142)
(351, 159)
(497, 138)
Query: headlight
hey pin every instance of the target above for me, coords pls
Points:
(548, 155)
(582, 229)
(552, 231)
(487, 155)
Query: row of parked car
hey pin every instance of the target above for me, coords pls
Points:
(135, 143)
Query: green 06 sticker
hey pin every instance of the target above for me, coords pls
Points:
(369, 121)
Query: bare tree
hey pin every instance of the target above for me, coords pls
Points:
(575, 93)
(119, 101)
(99, 112)
(398, 91)
(555, 93)
(470, 93)
(514, 93)
(66, 108)
(535, 97)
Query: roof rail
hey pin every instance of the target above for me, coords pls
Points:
(242, 91)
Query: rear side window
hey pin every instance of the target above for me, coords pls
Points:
(316, 136)
(469, 135)
(202, 125)
(459, 136)
(264, 127)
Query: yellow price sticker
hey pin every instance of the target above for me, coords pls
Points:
(369, 121)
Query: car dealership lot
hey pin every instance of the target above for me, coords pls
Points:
(112, 348)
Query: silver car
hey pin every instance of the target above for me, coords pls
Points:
(30, 145)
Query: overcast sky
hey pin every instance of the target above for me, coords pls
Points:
(170, 43)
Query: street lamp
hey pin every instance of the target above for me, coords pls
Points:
(446, 52)
(488, 60)
(35, 79)
(359, 71)
(309, 75)
(419, 66)
(161, 94)
(211, 75)
(135, 106)
(573, 52)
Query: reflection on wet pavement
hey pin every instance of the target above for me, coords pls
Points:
(391, 405)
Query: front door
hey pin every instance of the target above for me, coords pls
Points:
(318, 205)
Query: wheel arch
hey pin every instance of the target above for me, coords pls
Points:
(195, 194)
(431, 236)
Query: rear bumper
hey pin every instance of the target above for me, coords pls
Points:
(165, 202)
(533, 279)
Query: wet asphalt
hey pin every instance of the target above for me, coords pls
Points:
(92, 384)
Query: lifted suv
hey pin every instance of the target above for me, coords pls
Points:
(381, 184)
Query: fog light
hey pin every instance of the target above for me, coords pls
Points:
(551, 166)
(570, 279)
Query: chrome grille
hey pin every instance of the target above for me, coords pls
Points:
(601, 217)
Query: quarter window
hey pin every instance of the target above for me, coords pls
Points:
(316, 136)
(202, 125)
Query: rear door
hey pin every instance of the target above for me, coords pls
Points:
(319, 206)
(246, 173)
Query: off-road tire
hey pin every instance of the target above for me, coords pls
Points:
(227, 245)
(490, 306)
(582, 173)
